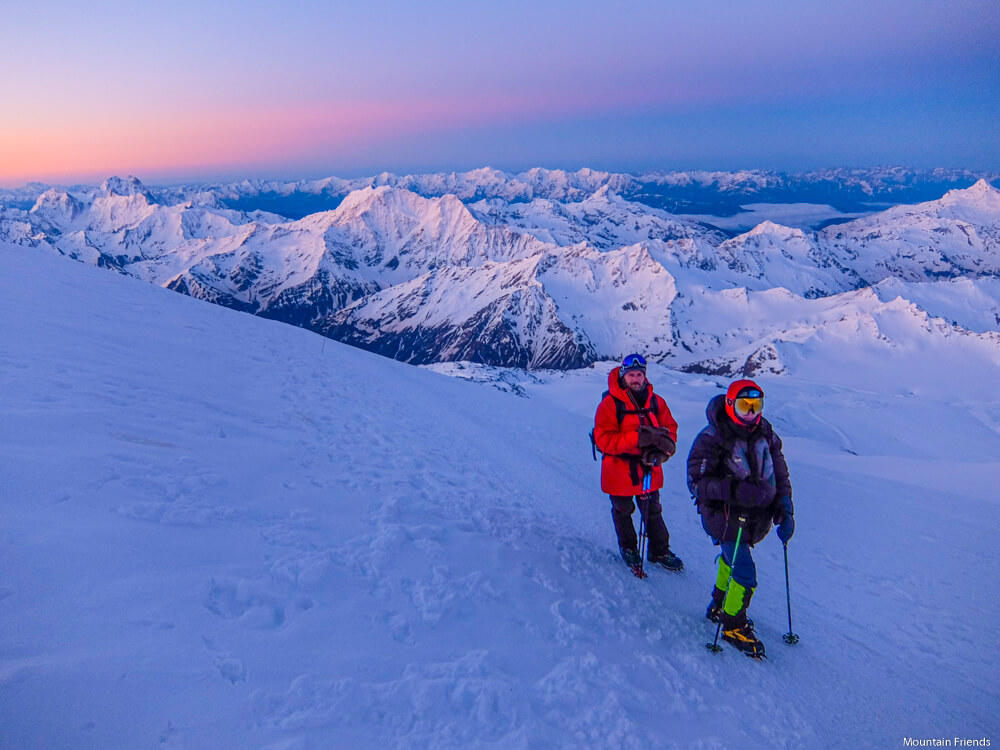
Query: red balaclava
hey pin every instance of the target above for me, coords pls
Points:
(734, 392)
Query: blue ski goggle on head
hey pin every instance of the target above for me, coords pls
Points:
(633, 362)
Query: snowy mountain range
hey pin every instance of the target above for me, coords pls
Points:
(542, 269)
(717, 193)
(705, 192)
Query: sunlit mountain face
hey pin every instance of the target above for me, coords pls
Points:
(546, 269)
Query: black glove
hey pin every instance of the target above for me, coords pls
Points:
(664, 443)
(784, 519)
(750, 494)
(786, 528)
(647, 436)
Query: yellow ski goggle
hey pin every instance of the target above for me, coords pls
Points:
(748, 407)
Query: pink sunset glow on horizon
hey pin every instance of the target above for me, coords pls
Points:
(305, 92)
(196, 140)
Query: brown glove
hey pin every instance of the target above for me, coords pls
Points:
(653, 457)
(664, 443)
(648, 436)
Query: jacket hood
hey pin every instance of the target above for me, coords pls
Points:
(616, 389)
(719, 418)
(733, 392)
(716, 410)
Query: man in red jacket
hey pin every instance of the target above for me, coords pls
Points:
(636, 432)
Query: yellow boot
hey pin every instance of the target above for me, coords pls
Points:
(737, 629)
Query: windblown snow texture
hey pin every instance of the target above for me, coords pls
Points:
(220, 531)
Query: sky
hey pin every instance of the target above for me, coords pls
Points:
(190, 90)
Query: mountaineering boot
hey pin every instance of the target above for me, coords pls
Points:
(714, 611)
(737, 628)
(669, 560)
(634, 560)
(631, 557)
(714, 616)
(743, 637)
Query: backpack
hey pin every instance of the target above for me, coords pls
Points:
(621, 409)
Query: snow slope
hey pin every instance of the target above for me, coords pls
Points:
(218, 531)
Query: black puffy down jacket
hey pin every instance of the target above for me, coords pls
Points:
(722, 455)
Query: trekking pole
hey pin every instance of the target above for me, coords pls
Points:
(789, 637)
(647, 480)
(642, 543)
(714, 646)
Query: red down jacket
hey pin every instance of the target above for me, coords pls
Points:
(621, 471)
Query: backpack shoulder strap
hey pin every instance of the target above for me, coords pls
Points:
(622, 409)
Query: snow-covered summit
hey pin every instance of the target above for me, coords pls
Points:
(954, 236)
(772, 229)
(981, 196)
(126, 187)
(58, 206)
(723, 181)
(390, 266)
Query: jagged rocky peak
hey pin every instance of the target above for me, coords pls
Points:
(399, 203)
(603, 196)
(560, 185)
(359, 201)
(126, 187)
(749, 180)
(484, 175)
(55, 201)
(762, 360)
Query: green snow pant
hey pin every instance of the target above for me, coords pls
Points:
(736, 600)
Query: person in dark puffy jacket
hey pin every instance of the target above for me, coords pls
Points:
(636, 432)
(738, 477)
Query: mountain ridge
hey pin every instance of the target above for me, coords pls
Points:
(557, 284)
